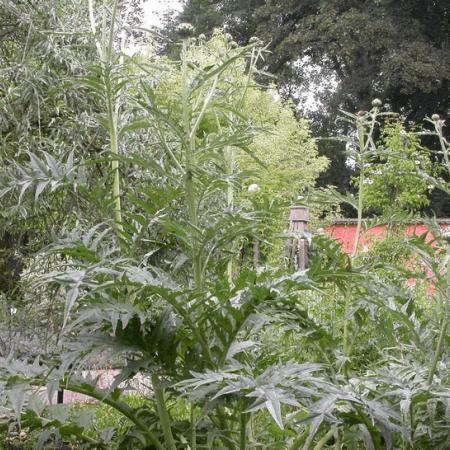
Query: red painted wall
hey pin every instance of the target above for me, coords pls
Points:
(345, 233)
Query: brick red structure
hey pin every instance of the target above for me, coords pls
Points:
(344, 231)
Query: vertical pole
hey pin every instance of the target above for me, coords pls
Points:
(298, 223)
(60, 397)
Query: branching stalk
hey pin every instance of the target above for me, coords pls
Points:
(118, 405)
(442, 142)
(362, 146)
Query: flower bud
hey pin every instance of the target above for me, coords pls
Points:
(185, 29)
(202, 37)
(254, 188)
(228, 37)
(361, 113)
(233, 44)
(376, 102)
(253, 40)
(435, 117)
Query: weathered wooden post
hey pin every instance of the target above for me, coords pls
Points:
(298, 225)
(60, 397)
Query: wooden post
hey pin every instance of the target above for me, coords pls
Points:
(60, 397)
(298, 223)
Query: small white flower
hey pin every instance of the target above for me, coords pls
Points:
(300, 197)
(417, 162)
(253, 188)
(13, 311)
(368, 181)
(430, 186)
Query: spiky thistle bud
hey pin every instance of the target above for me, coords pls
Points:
(376, 102)
(185, 29)
(435, 117)
(253, 188)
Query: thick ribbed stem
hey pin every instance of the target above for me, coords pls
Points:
(113, 136)
(243, 431)
(118, 405)
(444, 325)
(164, 418)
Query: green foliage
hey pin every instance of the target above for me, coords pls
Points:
(286, 150)
(143, 263)
(394, 183)
(343, 54)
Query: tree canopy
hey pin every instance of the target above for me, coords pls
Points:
(354, 50)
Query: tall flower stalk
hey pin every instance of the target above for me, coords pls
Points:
(444, 293)
(365, 122)
(105, 47)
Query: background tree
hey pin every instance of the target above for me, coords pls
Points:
(395, 50)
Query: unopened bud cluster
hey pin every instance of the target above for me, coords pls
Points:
(376, 102)
(185, 29)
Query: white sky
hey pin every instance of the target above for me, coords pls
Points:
(155, 9)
